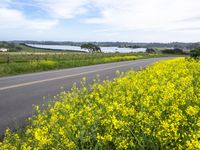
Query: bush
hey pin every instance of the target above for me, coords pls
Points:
(195, 53)
(150, 50)
(91, 47)
(173, 51)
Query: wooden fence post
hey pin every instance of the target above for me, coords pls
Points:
(8, 59)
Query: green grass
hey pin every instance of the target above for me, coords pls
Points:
(19, 63)
(159, 48)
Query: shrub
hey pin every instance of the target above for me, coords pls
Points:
(91, 47)
(173, 51)
(195, 53)
(150, 50)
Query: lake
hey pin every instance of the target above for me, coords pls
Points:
(78, 48)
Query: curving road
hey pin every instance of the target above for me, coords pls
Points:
(19, 93)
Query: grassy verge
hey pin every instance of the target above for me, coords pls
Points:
(156, 108)
(19, 63)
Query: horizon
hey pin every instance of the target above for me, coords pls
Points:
(134, 21)
(96, 41)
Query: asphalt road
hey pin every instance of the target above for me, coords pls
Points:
(19, 93)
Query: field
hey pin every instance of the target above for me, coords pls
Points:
(156, 108)
(26, 62)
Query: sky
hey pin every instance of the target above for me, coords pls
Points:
(100, 20)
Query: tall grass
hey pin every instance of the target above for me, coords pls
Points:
(12, 64)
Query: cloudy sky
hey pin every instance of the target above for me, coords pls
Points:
(100, 20)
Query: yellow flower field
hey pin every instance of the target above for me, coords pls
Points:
(121, 58)
(156, 108)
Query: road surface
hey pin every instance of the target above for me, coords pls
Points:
(19, 93)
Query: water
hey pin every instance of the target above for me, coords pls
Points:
(77, 48)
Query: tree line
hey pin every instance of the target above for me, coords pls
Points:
(12, 47)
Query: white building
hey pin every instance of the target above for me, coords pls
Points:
(3, 49)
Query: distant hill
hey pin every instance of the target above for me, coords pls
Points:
(118, 44)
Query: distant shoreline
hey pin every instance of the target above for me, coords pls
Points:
(61, 50)
(70, 48)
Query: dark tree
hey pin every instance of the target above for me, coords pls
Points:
(91, 47)
(150, 50)
(195, 53)
(178, 51)
(173, 51)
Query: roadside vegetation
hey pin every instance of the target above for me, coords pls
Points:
(195, 53)
(35, 60)
(156, 108)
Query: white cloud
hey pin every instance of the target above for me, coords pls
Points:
(42, 24)
(11, 18)
(147, 14)
(63, 9)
